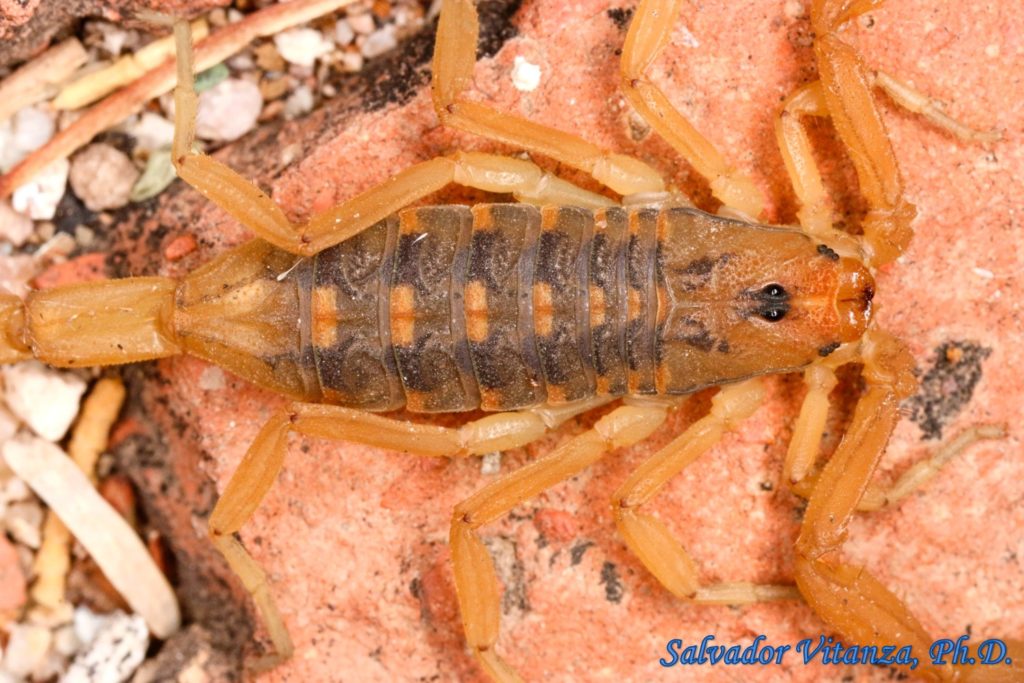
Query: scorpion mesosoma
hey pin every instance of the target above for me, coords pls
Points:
(541, 311)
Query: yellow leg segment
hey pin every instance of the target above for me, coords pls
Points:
(651, 540)
(475, 580)
(264, 459)
(454, 57)
(649, 32)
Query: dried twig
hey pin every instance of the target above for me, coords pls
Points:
(37, 80)
(127, 101)
(98, 84)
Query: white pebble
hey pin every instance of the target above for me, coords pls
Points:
(361, 23)
(38, 198)
(26, 649)
(228, 110)
(351, 61)
(102, 176)
(299, 102)
(15, 272)
(151, 131)
(983, 273)
(525, 76)
(302, 46)
(379, 42)
(24, 521)
(65, 642)
(212, 379)
(490, 463)
(343, 33)
(26, 131)
(14, 227)
(113, 655)
(25, 383)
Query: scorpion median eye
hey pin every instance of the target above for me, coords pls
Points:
(773, 315)
(774, 291)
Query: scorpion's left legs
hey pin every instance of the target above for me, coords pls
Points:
(651, 541)
(475, 580)
(649, 32)
(454, 57)
(265, 457)
(256, 210)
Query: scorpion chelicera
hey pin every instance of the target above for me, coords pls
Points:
(541, 310)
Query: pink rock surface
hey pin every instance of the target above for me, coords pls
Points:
(355, 539)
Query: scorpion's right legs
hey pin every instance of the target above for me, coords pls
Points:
(475, 580)
(651, 541)
(265, 457)
(649, 32)
(454, 57)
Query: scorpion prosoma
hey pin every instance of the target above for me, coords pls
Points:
(542, 310)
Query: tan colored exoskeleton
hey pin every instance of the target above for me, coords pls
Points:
(542, 310)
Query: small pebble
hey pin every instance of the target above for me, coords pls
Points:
(379, 42)
(26, 650)
(151, 131)
(65, 642)
(299, 103)
(102, 176)
(24, 521)
(179, 247)
(351, 61)
(113, 655)
(268, 58)
(212, 379)
(15, 273)
(25, 382)
(361, 23)
(14, 227)
(525, 76)
(228, 110)
(8, 427)
(343, 33)
(28, 130)
(38, 198)
(302, 46)
(158, 174)
(490, 463)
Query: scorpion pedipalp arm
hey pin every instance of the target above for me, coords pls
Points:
(476, 583)
(648, 34)
(651, 541)
(844, 595)
(454, 57)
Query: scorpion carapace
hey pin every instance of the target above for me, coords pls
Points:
(497, 307)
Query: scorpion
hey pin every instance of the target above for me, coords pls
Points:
(539, 311)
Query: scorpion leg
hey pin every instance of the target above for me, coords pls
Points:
(476, 583)
(651, 541)
(649, 32)
(265, 457)
(247, 203)
(454, 57)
